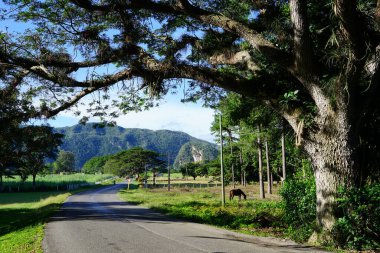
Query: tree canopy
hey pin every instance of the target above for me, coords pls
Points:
(133, 161)
(37, 143)
(95, 164)
(23, 148)
(65, 162)
(314, 62)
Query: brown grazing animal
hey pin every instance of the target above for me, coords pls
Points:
(237, 192)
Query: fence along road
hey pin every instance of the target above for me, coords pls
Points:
(98, 221)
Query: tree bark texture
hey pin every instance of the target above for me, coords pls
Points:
(333, 159)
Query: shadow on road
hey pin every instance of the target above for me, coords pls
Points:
(104, 205)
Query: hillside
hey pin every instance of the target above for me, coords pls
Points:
(195, 151)
(87, 141)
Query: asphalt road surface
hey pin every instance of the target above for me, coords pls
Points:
(98, 221)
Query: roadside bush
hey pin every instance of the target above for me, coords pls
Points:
(298, 201)
(359, 226)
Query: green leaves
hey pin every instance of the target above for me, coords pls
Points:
(289, 97)
(359, 225)
(298, 199)
(132, 161)
(65, 162)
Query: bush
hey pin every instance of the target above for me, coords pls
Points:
(359, 226)
(299, 204)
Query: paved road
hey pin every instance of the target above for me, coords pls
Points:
(98, 221)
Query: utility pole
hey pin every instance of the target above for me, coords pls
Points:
(168, 172)
(221, 160)
(269, 172)
(283, 153)
(146, 177)
(262, 194)
(232, 160)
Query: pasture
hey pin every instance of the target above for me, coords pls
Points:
(52, 182)
(254, 216)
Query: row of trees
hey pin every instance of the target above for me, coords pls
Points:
(255, 137)
(254, 140)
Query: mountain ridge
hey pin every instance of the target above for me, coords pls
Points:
(89, 140)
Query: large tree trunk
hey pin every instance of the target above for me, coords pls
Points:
(332, 154)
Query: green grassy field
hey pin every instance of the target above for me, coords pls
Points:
(254, 216)
(51, 182)
(23, 215)
(22, 219)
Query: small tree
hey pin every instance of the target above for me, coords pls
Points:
(213, 168)
(95, 164)
(13, 112)
(65, 162)
(189, 169)
(36, 144)
(201, 170)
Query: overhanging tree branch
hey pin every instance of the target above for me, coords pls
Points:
(273, 53)
(301, 38)
(48, 113)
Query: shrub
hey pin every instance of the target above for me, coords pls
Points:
(298, 201)
(359, 226)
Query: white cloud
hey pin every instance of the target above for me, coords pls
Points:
(192, 119)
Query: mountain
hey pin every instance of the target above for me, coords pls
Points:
(87, 141)
(195, 151)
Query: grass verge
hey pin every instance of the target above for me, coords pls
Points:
(254, 216)
(23, 217)
(22, 223)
